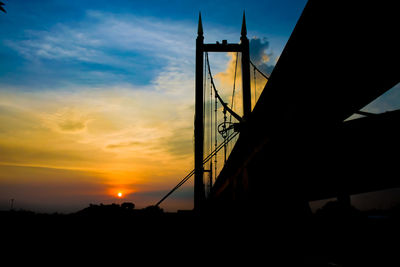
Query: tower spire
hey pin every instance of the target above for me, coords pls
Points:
(244, 29)
(200, 26)
(199, 193)
(244, 43)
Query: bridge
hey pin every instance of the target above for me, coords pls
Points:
(297, 144)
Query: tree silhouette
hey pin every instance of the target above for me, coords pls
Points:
(128, 206)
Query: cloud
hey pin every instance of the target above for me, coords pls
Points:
(233, 66)
(70, 125)
(89, 41)
(104, 48)
(66, 120)
(260, 57)
(124, 144)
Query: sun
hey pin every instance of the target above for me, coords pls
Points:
(119, 194)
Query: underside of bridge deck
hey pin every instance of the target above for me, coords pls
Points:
(296, 145)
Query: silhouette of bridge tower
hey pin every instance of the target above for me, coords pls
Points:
(299, 144)
(201, 48)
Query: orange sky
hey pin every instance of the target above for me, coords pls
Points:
(110, 139)
(88, 145)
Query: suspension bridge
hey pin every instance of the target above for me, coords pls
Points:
(295, 143)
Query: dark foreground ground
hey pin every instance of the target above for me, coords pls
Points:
(152, 237)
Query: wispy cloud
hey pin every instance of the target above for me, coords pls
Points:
(125, 48)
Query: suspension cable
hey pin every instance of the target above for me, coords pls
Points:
(255, 85)
(236, 116)
(262, 73)
(234, 85)
(190, 174)
(216, 134)
(228, 138)
(224, 136)
(210, 138)
(204, 94)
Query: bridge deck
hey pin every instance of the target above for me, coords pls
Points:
(339, 58)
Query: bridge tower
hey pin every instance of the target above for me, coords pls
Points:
(201, 48)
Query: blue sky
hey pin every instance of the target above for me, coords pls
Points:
(97, 97)
(64, 43)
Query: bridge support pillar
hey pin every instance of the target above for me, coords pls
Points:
(201, 48)
(199, 191)
(245, 47)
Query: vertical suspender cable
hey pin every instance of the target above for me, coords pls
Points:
(234, 85)
(211, 132)
(255, 86)
(204, 99)
(216, 135)
(226, 140)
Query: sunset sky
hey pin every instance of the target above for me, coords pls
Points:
(97, 97)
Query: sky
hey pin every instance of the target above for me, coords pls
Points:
(97, 97)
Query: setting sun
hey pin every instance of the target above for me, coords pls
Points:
(119, 194)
